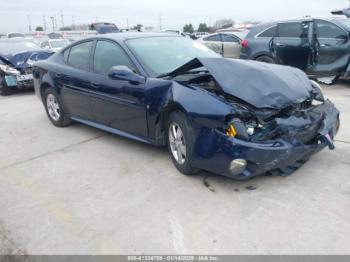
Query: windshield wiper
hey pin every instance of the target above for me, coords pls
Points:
(192, 72)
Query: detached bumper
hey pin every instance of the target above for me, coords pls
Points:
(217, 155)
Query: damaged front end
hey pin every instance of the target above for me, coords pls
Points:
(16, 70)
(255, 139)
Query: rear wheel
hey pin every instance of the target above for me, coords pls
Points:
(54, 108)
(181, 142)
(265, 59)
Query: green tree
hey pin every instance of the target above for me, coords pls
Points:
(203, 27)
(39, 28)
(188, 28)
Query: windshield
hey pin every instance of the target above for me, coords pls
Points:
(58, 43)
(161, 55)
(345, 22)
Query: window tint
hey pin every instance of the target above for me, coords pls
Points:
(216, 38)
(229, 39)
(270, 32)
(108, 54)
(79, 55)
(326, 29)
(297, 30)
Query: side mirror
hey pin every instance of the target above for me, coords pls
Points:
(124, 73)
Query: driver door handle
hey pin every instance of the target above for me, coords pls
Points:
(280, 45)
(325, 45)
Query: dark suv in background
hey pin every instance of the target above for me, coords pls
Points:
(319, 47)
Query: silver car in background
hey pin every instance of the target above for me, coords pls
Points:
(54, 45)
(228, 44)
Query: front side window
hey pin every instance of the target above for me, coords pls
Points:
(108, 54)
(326, 29)
(213, 38)
(294, 30)
(268, 32)
(79, 55)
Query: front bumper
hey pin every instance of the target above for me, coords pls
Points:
(278, 155)
(23, 81)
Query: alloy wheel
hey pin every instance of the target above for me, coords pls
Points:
(177, 143)
(53, 107)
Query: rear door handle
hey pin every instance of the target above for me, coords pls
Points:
(325, 45)
(280, 45)
(95, 85)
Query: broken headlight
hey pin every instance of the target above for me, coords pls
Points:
(238, 129)
(317, 91)
(9, 70)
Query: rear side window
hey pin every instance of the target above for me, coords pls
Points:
(107, 55)
(295, 30)
(270, 32)
(213, 38)
(79, 55)
(326, 29)
(229, 39)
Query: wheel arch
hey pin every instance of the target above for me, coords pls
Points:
(162, 120)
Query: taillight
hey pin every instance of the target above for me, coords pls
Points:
(245, 43)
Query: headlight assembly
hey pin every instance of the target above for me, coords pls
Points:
(9, 70)
(317, 91)
(236, 128)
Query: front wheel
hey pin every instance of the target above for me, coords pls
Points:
(54, 108)
(181, 142)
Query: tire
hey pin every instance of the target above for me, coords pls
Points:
(265, 59)
(54, 108)
(180, 120)
(4, 91)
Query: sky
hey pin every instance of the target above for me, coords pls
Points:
(173, 14)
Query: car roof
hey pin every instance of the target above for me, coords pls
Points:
(132, 35)
(261, 27)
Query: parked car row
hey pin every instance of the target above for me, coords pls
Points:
(319, 47)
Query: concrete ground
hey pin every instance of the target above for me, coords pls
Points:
(78, 190)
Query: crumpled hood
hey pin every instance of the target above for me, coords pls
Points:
(19, 60)
(259, 84)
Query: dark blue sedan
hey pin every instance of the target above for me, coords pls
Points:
(231, 117)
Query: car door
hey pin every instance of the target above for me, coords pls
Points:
(117, 104)
(291, 44)
(72, 79)
(332, 49)
(214, 42)
(231, 46)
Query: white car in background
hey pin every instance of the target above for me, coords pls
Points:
(228, 44)
(54, 45)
